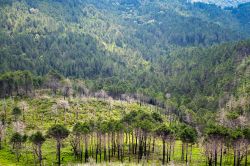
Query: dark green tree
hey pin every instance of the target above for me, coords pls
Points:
(38, 139)
(17, 140)
(216, 136)
(166, 135)
(16, 112)
(188, 136)
(59, 133)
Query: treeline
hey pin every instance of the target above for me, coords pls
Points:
(24, 83)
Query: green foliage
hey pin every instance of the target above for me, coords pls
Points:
(17, 138)
(16, 111)
(188, 135)
(164, 131)
(236, 134)
(58, 132)
(16, 83)
(125, 49)
(217, 132)
(37, 138)
(81, 128)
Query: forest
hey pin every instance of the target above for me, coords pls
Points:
(124, 82)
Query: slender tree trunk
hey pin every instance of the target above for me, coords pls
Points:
(191, 149)
(140, 147)
(97, 148)
(182, 152)
(246, 155)
(153, 146)
(235, 156)
(86, 154)
(145, 146)
(215, 153)
(239, 158)
(104, 145)
(136, 141)
(173, 148)
(126, 140)
(186, 152)
(59, 152)
(170, 150)
(109, 146)
(167, 151)
(40, 154)
(92, 145)
(149, 148)
(122, 146)
(100, 147)
(118, 146)
(133, 152)
(221, 153)
(163, 151)
(129, 148)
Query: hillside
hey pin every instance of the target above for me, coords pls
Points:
(102, 130)
(110, 44)
(124, 81)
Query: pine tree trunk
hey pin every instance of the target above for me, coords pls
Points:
(129, 148)
(59, 152)
(182, 152)
(109, 146)
(136, 142)
(40, 154)
(100, 148)
(221, 153)
(238, 159)
(246, 155)
(133, 152)
(170, 149)
(186, 152)
(167, 151)
(149, 148)
(86, 156)
(153, 148)
(215, 153)
(191, 149)
(122, 146)
(163, 151)
(105, 150)
(97, 147)
(118, 146)
(235, 156)
(145, 146)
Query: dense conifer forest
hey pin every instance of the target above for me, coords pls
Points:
(124, 82)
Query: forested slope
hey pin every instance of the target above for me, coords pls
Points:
(129, 46)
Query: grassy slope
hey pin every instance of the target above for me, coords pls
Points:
(37, 117)
(38, 107)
